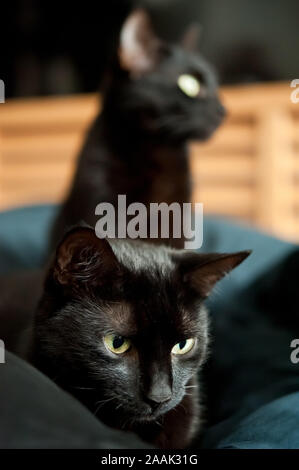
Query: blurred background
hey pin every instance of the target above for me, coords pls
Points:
(53, 57)
(55, 47)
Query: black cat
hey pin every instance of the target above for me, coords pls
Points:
(122, 326)
(157, 97)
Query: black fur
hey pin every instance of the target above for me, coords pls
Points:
(151, 295)
(137, 145)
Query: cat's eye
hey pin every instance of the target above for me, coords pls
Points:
(117, 344)
(189, 85)
(183, 346)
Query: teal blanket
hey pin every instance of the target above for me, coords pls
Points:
(252, 385)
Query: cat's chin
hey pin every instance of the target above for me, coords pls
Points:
(148, 416)
(152, 415)
(196, 133)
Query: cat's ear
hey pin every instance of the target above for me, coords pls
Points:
(81, 258)
(191, 37)
(202, 271)
(139, 46)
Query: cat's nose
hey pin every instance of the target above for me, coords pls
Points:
(154, 404)
(156, 399)
(160, 387)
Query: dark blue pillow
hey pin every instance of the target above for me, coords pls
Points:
(24, 236)
(253, 387)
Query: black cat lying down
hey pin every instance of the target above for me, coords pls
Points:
(121, 325)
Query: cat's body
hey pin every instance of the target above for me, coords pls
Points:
(104, 172)
(137, 146)
(122, 326)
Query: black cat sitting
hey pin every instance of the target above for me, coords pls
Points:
(157, 97)
(121, 325)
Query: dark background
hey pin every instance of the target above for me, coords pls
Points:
(56, 47)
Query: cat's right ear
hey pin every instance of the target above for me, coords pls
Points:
(83, 259)
(139, 46)
(202, 271)
(191, 37)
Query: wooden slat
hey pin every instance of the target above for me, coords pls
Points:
(43, 195)
(230, 137)
(275, 170)
(31, 174)
(31, 115)
(246, 100)
(1, 168)
(226, 167)
(29, 148)
(226, 200)
(249, 169)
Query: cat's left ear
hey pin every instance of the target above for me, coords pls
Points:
(82, 258)
(139, 46)
(202, 271)
(191, 37)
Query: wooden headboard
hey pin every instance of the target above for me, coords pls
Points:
(249, 170)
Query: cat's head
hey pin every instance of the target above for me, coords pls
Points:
(126, 319)
(169, 90)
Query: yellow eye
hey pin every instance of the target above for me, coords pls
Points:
(117, 344)
(189, 85)
(183, 347)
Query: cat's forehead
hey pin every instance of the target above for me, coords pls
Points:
(142, 258)
(182, 61)
(151, 305)
(151, 296)
(143, 319)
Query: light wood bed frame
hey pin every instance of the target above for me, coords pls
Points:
(249, 170)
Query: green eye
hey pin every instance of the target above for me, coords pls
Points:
(189, 85)
(117, 344)
(183, 347)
